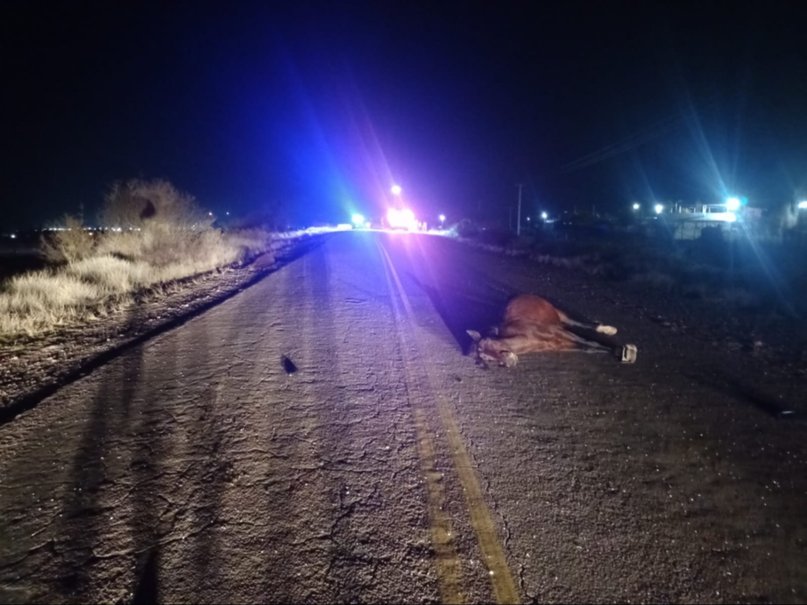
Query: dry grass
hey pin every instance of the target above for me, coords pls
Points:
(124, 264)
(74, 243)
(159, 236)
(113, 275)
(36, 302)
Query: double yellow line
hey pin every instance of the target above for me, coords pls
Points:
(448, 564)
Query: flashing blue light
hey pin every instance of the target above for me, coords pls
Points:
(358, 219)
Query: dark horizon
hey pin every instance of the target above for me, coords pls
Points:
(314, 109)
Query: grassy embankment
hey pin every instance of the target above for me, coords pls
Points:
(163, 238)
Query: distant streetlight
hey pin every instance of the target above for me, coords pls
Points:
(659, 208)
(636, 205)
(442, 218)
(544, 216)
(396, 190)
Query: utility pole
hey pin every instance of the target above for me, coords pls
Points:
(518, 214)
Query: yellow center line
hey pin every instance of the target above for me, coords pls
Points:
(501, 578)
(448, 563)
(449, 570)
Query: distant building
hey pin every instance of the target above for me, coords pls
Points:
(688, 222)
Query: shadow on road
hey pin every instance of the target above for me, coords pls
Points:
(91, 478)
(133, 467)
(762, 401)
(148, 586)
(461, 312)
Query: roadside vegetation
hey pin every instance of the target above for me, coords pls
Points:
(155, 236)
(737, 273)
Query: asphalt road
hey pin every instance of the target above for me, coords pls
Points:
(321, 437)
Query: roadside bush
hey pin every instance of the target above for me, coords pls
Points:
(249, 242)
(157, 235)
(159, 225)
(71, 244)
(496, 236)
(466, 228)
(139, 204)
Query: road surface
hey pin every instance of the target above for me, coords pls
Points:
(321, 437)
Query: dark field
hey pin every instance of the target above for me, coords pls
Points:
(18, 256)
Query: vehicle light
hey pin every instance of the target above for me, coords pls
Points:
(402, 218)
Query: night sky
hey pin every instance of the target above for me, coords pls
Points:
(313, 110)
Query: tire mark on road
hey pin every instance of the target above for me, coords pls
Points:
(501, 577)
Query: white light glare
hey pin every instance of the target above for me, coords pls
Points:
(636, 205)
(803, 205)
(402, 219)
(659, 208)
(396, 190)
(357, 219)
(733, 204)
(544, 216)
(442, 218)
